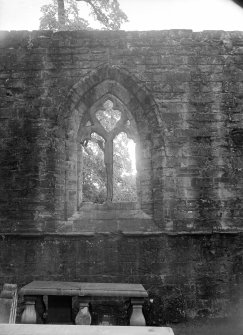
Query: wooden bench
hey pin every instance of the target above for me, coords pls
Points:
(26, 329)
(61, 293)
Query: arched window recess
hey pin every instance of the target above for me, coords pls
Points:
(107, 118)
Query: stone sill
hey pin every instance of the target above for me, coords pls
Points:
(108, 206)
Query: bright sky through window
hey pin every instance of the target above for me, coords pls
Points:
(132, 155)
(143, 14)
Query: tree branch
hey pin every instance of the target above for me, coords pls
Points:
(61, 12)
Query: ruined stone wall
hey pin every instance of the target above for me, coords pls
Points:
(186, 276)
(185, 91)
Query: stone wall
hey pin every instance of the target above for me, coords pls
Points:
(186, 276)
(184, 90)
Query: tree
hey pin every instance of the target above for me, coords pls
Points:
(64, 15)
(94, 175)
(238, 2)
(94, 186)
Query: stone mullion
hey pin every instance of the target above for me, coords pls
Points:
(108, 157)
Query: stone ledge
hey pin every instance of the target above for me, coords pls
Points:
(28, 329)
(131, 233)
(87, 206)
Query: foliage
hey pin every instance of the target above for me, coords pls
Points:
(94, 175)
(124, 185)
(49, 18)
(107, 12)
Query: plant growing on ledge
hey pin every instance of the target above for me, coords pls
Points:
(64, 15)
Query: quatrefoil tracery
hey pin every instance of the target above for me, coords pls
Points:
(107, 123)
(108, 117)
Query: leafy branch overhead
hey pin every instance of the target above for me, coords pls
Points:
(64, 15)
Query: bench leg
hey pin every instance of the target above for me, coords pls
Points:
(29, 314)
(83, 317)
(40, 308)
(137, 318)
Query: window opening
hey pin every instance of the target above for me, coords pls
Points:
(109, 130)
(94, 186)
(124, 165)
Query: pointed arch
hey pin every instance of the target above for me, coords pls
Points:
(118, 81)
(131, 94)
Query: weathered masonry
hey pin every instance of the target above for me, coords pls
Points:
(182, 239)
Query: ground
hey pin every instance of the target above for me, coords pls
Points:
(209, 327)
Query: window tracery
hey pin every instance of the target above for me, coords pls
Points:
(107, 122)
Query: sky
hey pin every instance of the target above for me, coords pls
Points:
(197, 15)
